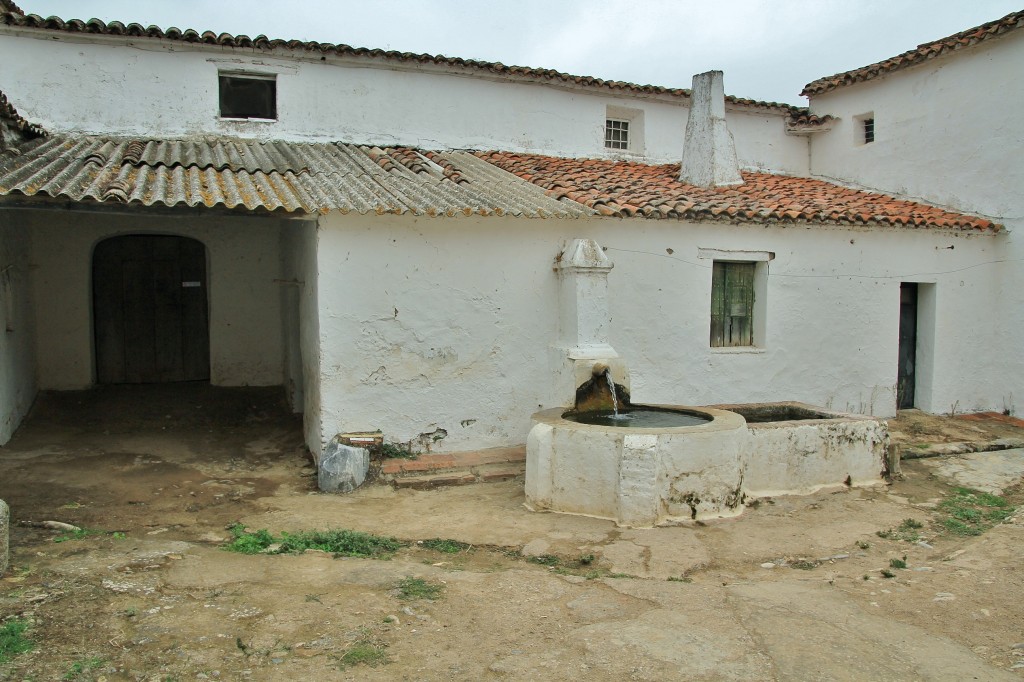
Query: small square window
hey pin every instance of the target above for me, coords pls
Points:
(869, 130)
(616, 134)
(732, 304)
(248, 96)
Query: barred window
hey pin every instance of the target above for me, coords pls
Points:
(616, 134)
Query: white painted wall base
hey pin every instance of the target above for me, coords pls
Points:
(17, 351)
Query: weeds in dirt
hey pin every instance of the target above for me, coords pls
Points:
(396, 451)
(898, 563)
(245, 542)
(445, 545)
(78, 534)
(972, 512)
(13, 640)
(680, 579)
(364, 651)
(79, 668)
(411, 589)
(906, 531)
(340, 543)
(545, 560)
(886, 573)
(863, 544)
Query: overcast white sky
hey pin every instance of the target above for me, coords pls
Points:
(769, 49)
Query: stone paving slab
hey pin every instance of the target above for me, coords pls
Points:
(990, 472)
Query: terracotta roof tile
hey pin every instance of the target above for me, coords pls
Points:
(9, 114)
(262, 42)
(626, 189)
(922, 53)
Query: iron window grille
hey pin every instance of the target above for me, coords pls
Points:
(869, 130)
(616, 134)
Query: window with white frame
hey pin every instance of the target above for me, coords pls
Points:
(864, 128)
(739, 283)
(624, 130)
(247, 95)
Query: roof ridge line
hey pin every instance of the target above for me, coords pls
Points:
(96, 26)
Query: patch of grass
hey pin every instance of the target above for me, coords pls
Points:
(545, 560)
(585, 560)
(347, 543)
(83, 666)
(906, 531)
(396, 451)
(898, 563)
(680, 579)
(245, 542)
(411, 589)
(364, 652)
(445, 545)
(80, 534)
(863, 544)
(972, 512)
(13, 640)
(886, 573)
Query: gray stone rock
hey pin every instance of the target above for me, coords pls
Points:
(5, 533)
(342, 467)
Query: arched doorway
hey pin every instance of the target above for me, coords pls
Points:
(150, 310)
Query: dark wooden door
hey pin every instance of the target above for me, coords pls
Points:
(150, 310)
(905, 375)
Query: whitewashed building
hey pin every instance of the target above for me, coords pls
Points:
(378, 232)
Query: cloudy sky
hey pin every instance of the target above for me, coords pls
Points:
(768, 49)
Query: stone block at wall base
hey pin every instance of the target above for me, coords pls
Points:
(342, 468)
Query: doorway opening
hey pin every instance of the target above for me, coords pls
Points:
(150, 310)
(906, 374)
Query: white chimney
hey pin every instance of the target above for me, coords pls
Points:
(709, 153)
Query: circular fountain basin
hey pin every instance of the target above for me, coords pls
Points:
(638, 471)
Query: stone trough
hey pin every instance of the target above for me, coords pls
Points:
(645, 477)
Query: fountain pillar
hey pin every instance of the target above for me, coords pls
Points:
(584, 320)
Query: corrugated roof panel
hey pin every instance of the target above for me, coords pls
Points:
(271, 175)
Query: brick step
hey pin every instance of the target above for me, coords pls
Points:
(460, 468)
(489, 473)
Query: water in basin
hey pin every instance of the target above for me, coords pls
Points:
(637, 418)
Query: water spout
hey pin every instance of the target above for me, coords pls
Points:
(611, 389)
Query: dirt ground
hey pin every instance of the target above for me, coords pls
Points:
(791, 590)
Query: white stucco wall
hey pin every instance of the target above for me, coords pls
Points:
(434, 324)
(17, 362)
(301, 325)
(170, 90)
(243, 263)
(948, 131)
